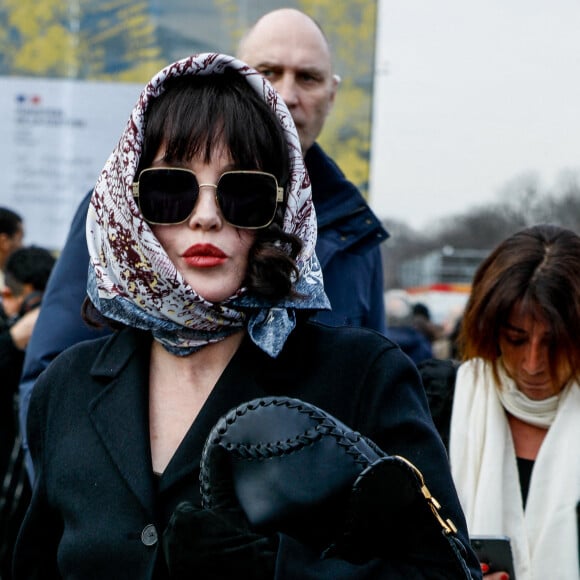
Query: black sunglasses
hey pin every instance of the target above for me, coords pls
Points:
(247, 199)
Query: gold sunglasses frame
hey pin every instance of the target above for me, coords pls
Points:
(279, 194)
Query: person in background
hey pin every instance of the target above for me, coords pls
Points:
(400, 327)
(291, 51)
(11, 236)
(202, 235)
(422, 322)
(26, 274)
(512, 407)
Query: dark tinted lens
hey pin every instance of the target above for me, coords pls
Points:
(247, 200)
(167, 196)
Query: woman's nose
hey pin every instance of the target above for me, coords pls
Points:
(206, 213)
(535, 358)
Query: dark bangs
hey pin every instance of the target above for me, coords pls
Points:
(539, 269)
(198, 114)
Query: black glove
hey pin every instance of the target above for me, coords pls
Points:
(216, 544)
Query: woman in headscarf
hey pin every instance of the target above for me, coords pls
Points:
(201, 233)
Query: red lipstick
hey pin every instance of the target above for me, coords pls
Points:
(204, 256)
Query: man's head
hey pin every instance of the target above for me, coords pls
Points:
(291, 51)
(11, 234)
(27, 271)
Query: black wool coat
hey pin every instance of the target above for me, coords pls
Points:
(99, 512)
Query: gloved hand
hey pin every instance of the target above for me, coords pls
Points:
(392, 515)
(216, 544)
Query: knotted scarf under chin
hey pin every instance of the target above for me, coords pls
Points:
(203, 322)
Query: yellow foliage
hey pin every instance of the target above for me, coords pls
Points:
(52, 51)
(350, 28)
(116, 40)
(79, 39)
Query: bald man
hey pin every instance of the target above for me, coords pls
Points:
(291, 51)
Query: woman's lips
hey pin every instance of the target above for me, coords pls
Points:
(204, 256)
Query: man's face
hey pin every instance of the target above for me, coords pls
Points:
(291, 52)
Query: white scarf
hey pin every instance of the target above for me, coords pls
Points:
(483, 463)
(539, 413)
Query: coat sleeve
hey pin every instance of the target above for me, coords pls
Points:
(438, 376)
(354, 285)
(59, 323)
(394, 413)
(35, 554)
(376, 316)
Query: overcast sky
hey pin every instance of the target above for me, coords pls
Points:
(469, 95)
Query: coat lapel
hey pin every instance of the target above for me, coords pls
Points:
(119, 413)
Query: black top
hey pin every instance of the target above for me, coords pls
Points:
(525, 467)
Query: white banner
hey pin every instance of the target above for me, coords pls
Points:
(56, 135)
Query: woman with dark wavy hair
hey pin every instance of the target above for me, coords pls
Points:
(201, 234)
(515, 422)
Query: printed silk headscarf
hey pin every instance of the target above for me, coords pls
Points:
(133, 281)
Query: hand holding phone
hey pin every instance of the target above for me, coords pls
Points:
(495, 552)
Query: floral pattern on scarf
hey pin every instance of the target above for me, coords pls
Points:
(133, 281)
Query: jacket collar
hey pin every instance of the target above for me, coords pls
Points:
(339, 204)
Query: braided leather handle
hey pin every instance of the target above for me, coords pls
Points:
(279, 458)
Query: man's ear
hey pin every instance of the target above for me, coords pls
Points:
(335, 82)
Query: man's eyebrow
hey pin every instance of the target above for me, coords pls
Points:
(268, 64)
(313, 70)
(308, 69)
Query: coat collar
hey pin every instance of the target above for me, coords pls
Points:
(119, 412)
(345, 220)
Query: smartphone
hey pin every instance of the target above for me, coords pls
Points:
(496, 552)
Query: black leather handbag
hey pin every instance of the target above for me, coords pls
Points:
(295, 469)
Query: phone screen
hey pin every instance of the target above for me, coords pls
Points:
(496, 552)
